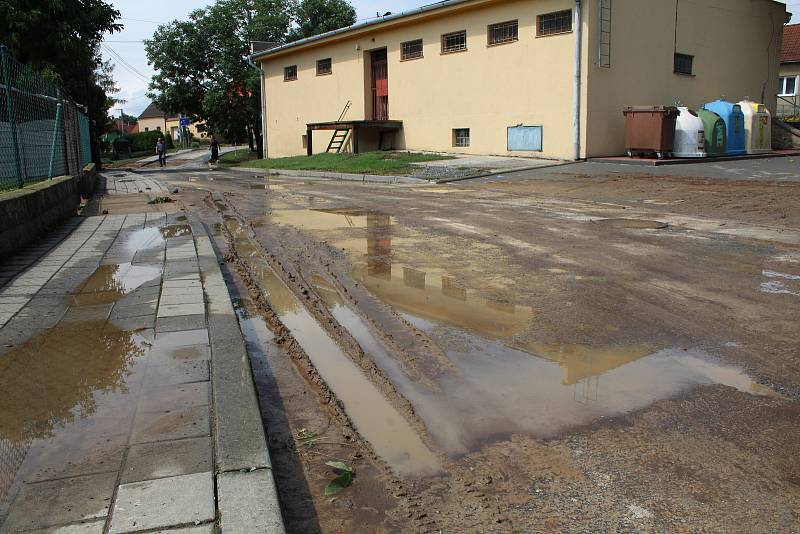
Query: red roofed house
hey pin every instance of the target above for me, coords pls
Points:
(789, 86)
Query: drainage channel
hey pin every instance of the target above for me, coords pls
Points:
(390, 434)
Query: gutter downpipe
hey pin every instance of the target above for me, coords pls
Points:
(576, 103)
(262, 97)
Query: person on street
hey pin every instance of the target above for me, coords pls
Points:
(161, 150)
(214, 151)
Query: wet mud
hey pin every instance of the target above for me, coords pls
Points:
(619, 363)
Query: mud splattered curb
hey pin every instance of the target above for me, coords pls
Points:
(245, 482)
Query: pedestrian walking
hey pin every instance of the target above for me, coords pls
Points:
(214, 151)
(161, 150)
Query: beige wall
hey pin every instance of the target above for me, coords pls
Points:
(151, 124)
(486, 89)
(530, 81)
(158, 123)
(728, 38)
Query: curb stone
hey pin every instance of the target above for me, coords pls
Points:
(246, 496)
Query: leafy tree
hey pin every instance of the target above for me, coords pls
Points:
(61, 39)
(202, 63)
(313, 17)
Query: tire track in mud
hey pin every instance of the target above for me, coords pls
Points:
(409, 498)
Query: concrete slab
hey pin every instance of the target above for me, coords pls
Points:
(162, 503)
(248, 502)
(57, 502)
(178, 372)
(161, 426)
(180, 354)
(173, 397)
(167, 458)
(81, 528)
(181, 322)
(181, 339)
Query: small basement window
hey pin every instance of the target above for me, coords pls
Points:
(324, 67)
(290, 73)
(554, 23)
(461, 137)
(411, 50)
(684, 64)
(503, 32)
(787, 86)
(454, 42)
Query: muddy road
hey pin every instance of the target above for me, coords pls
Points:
(570, 353)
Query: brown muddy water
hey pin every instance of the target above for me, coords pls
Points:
(392, 437)
(500, 383)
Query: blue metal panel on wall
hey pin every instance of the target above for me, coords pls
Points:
(525, 138)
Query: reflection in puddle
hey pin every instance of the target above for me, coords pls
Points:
(500, 386)
(390, 435)
(109, 283)
(143, 239)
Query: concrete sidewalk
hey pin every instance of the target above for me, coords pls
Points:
(128, 403)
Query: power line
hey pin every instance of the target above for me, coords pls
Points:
(124, 64)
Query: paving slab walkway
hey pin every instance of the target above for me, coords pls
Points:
(127, 403)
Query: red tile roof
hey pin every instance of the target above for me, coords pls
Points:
(791, 43)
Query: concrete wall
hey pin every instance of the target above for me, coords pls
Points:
(28, 213)
(486, 88)
(729, 39)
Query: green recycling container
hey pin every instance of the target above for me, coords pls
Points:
(716, 135)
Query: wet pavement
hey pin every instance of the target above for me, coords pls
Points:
(106, 412)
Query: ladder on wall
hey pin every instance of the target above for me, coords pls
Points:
(604, 33)
(339, 138)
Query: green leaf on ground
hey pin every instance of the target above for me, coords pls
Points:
(339, 483)
(341, 466)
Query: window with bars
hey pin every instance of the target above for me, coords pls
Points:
(503, 32)
(324, 67)
(554, 23)
(411, 50)
(290, 73)
(454, 42)
(461, 137)
(684, 64)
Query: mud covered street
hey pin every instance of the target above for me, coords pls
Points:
(583, 349)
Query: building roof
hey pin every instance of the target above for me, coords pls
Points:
(153, 112)
(363, 25)
(791, 44)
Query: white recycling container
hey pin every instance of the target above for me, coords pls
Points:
(689, 135)
(757, 127)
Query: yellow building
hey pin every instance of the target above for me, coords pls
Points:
(499, 76)
(153, 119)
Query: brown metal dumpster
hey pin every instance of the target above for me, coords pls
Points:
(650, 130)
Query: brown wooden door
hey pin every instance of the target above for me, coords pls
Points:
(380, 85)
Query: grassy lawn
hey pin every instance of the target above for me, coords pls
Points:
(237, 158)
(365, 163)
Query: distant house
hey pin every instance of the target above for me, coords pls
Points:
(499, 76)
(789, 84)
(153, 119)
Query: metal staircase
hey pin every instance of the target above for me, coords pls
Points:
(339, 138)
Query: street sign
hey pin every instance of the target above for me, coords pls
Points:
(185, 121)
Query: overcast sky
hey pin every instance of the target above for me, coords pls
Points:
(141, 17)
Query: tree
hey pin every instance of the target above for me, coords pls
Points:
(202, 63)
(313, 17)
(61, 39)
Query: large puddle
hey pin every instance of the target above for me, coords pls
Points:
(498, 385)
(390, 434)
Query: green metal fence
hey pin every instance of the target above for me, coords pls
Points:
(43, 133)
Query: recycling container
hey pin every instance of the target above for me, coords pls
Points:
(716, 137)
(690, 135)
(757, 127)
(734, 124)
(650, 130)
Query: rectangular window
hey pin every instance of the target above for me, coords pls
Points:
(411, 50)
(290, 73)
(324, 67)
(146, 129)
(454, 42)
(788, 86)
(554, 23)
(461, 137)
(504, 32)
(684, 64)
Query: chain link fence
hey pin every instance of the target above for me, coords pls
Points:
(43, 132)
